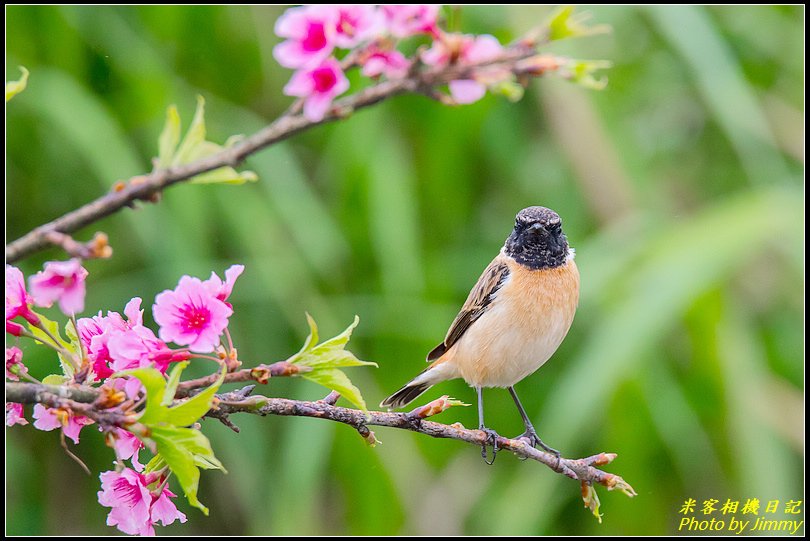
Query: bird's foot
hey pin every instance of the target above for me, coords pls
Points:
(492, 439)
(534, 440)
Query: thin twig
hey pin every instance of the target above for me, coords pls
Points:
(147, 187)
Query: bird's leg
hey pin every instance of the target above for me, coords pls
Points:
(492, 436)
(530, 433)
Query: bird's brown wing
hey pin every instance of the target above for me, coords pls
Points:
(477, 303)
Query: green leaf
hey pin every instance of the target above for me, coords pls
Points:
(15, 87)
(564, 24)
(54, 379)
(174, 381)
(225, 175)
(194, 136)
(169, 137)
(192, 409)
(331, 353)
(511, 90)
(157, 463)
(53, 328)
(582, 73)
(184, 450)
(312, 337)
(180, 448)
(157, 410)
(155, 384)
(194, 147)
(336, 380)
(326, 358)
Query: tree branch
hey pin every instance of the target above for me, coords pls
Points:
(85, 400)
(147, 187)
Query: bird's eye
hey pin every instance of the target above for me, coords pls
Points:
(555, 228)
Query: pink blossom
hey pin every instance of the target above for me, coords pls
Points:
(355, 24)
(222, 290)
(408, 20)
(14, 329)
(127, 446)
(14, 366)
(130, 500)
(311, 35)
(48, 419)
(136, 347)
(191, 315)
(14, 414)
(392, 64)
(114, 344)
(471, 50)
(95, 334)
(163, 510)
(466, 91)
(61, 281)
(132, 387)
(318, 86)
(135, 510)
(18, 301)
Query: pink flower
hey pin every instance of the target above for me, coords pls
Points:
(18, 302)
(113, 344)
(311, 35)
(318, 85)
(191, 315)
(222, 290)
(14, 414)
(130, 500)
(95, 334)
(48, 419)
(14, 329)
(61, 281)
(127, 446)
(14, 366)
(355, 24)
(135, 510)
(408, 20)
(163, 510)
(466, 49)
(392, 64)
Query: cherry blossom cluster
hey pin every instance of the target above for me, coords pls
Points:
(317, 35)
(193, 316)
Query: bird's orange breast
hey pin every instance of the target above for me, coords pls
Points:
(523, 327)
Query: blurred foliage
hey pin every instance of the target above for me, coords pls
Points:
(680, 185)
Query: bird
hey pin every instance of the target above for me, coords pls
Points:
(513, 321)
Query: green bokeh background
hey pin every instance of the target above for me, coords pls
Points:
(680, 186)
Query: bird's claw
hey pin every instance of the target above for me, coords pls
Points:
(492, 439)
(534, 440)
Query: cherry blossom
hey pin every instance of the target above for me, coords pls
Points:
(14, 366)
(191, 315)
(18, 301)
(408, 20)
(311, 34)
(48, 419)
(318, 85)
(14, 414)
(61, 281)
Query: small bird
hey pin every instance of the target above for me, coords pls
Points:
(513, 321)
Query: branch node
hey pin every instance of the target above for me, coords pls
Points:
(330, 399)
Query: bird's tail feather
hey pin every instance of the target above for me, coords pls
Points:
(426, 379)
(406, 395)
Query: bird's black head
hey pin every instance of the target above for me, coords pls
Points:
(537, 240)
